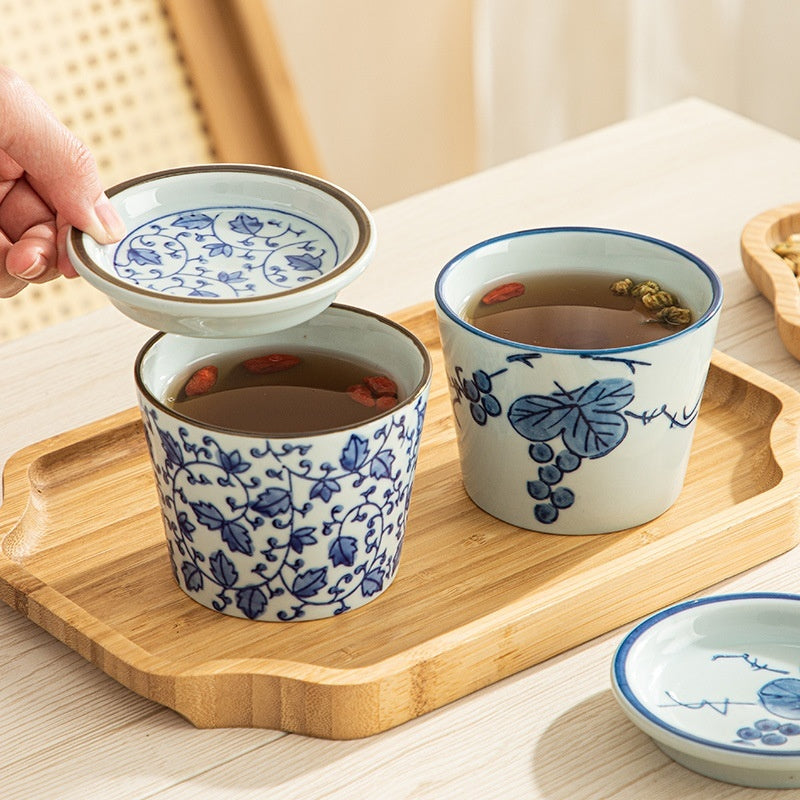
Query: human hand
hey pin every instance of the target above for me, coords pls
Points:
(48, 181)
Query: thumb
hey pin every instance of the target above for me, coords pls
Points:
(59, 167)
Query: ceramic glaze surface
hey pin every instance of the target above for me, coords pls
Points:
(567, 441)
(716, 683)
(225, 252)
(281, 529)
(227, 249)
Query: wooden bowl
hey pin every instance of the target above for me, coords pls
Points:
(770, 273)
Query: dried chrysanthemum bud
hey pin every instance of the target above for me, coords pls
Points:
(787, 247)
(656, 300)
(793, 260)
(789, 251)
(791, 244)
(622, 287)
(646, 287)
(673, 315)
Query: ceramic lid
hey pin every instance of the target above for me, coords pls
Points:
(227, 249)
(716, 683)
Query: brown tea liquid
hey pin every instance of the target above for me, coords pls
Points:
(308, 397)
(570, 312)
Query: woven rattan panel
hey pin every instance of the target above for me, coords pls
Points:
(112, 72)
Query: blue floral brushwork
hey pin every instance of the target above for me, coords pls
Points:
(292, 531)
(225, 252)
(563, 427)
(780, 697)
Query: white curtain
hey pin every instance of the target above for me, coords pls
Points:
(548, 70)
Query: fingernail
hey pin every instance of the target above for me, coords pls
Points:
(35, 270)
(110, 226)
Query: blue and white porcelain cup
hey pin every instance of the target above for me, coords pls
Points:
(569, 441)
(286, 528)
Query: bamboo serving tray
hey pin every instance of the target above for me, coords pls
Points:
(475, 600)
(770, 273)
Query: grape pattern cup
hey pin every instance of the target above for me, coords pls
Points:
(587, 422)
(574, 441)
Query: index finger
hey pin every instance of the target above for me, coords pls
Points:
(59, 166)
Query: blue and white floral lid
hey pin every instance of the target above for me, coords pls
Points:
(228, 249)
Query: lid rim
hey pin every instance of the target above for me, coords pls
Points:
(356, 219)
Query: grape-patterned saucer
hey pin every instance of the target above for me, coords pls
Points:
(228, 249)
(716, 683)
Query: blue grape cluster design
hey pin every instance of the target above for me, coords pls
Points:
(587, 420)
(552, 497)
(477, 391)
(768, 731)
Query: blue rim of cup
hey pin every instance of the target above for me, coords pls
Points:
(623, 651)
(450, 266)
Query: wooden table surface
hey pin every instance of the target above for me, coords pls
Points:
(690, 173)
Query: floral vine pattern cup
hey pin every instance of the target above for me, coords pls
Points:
(298, 528)
(568, 441)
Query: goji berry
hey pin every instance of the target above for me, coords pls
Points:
(385, 402)
(274, 362)
(381, 386)
(202, 381)
(502, 293)
(361, 394)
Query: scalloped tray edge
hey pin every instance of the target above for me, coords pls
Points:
(525, 626)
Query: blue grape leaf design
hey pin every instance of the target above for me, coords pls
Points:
(247, 224)
(144, 256)
(251, 601)
(324, 488)
(781, 697)
(373, 582)
(171, 448)
(302, 537)
(587, 418)
(272, 502)
(223, 570)
(354, 455)
(192, 576)
(343, 551)
(234, 534)
(381, 466)
(193, 220)
(309, 583)
(218, 249)
(305, 263)
(232, 462)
